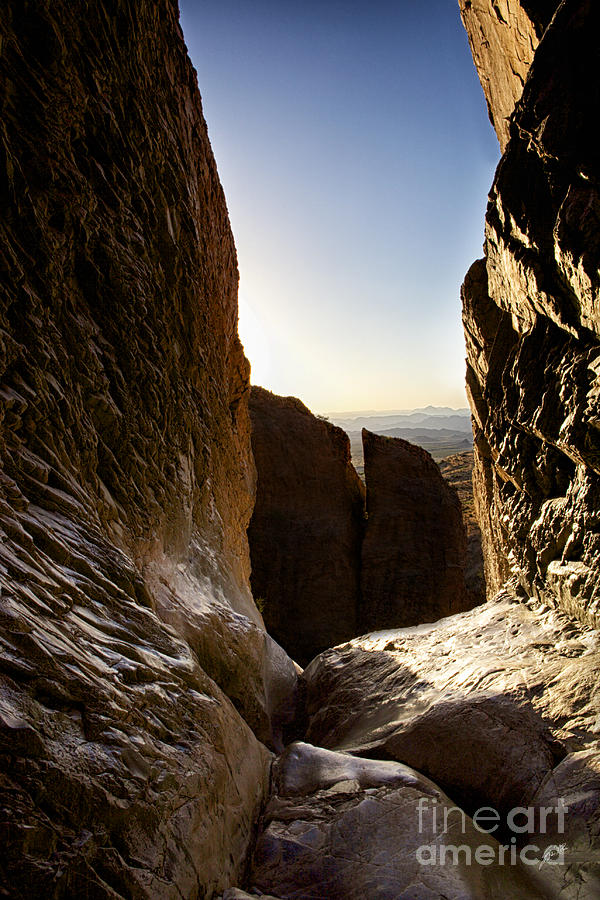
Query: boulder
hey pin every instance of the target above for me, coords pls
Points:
(568, 832)
(346, 829)
(485, 703)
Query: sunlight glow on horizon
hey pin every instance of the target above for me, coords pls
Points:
(356, 155)
(255, 340)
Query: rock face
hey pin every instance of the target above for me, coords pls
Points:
(458, 472)
(340, 827)
(306, 530)
(414, 548)
(323, 574)
(499, 706)
(503, 35)
(532, 332)
(134, 666)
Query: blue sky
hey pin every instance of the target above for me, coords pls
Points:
(354, 147)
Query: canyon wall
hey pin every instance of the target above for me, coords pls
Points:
(532, 330)
(137, 684)
(503, 36)
(414, 548)
(327, 566)
(306, 530)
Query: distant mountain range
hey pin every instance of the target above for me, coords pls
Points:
(431, 417)
(435, 411)
(439, 429)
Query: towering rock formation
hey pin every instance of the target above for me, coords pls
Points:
(134, 666)
(414, 548)
(503, 35)
(532, 328)
(322, 572)
(306, 530)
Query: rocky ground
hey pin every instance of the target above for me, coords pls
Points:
(410, 733)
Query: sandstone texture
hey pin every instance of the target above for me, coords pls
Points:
(239, 894)
(457, 470)
(498, 706)
(137, 684)
(414, 548)
(346, 829)
(532, 330)
(576, 783)
(306, 529)
(503, 36)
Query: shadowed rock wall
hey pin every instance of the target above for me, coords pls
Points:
(325, 574)
(532, 330)
(414, 548)
(133, 662)
(306, 529)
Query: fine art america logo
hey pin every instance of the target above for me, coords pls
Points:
(442, 820)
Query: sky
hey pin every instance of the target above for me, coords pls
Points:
(354, 148)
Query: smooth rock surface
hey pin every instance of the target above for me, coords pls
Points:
(306, 529)
(574, 783)
(126, 772)
(347, 829)
(486, 703)
(238, 894)
(532, 331)
(414, 548)
(126, 474)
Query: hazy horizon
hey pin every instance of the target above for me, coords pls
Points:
(355, 152)
(351, 413)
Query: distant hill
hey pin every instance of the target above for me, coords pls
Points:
(369, 413)
(430, 435)
(431, 418)
(440, 430)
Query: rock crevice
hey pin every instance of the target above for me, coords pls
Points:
(328, 567)
(139, 691)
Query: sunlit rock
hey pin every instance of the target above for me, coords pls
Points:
(503, 35)
(532, 329)
(486, 703)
